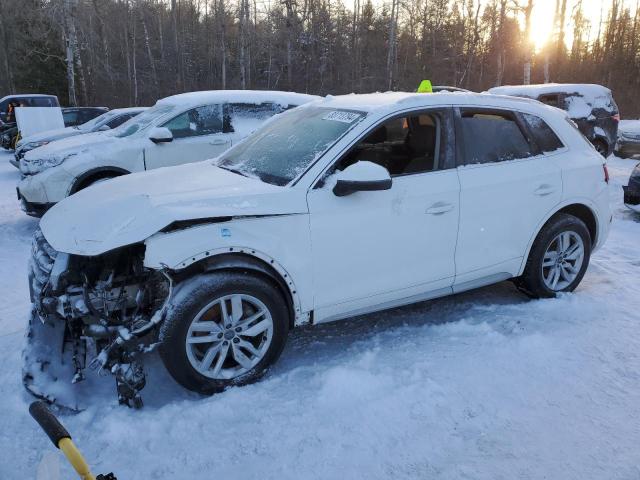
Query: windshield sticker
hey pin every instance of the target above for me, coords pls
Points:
(344, 117)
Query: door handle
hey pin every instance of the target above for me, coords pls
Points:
(218, 141)
(544, 189)
(439, 208)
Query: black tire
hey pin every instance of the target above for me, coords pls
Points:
(190, 297)
(532, 282)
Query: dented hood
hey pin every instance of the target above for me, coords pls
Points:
(131, 208)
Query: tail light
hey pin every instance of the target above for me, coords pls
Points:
(606, 173)
(616, 117)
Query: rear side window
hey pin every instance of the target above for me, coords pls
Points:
(119, 120)
(43, 102)
(491, 136)
(545, 138)
(552, 99)
(247, 117)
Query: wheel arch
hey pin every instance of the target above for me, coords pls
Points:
(85, 179)
(579, 209)
(256, 263)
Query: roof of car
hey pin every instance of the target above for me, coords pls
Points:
(22, 95)
(392, 101)
(585, 89)
(128, 110)
(240, 96)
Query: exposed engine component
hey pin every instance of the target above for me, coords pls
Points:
(99, 312)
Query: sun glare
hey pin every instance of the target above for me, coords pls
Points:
(542, 19)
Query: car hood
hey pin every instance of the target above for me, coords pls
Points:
(74, 144)
(131, 208)
(50, 135)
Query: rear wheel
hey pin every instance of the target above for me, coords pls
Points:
(224, 329)
(558, 259)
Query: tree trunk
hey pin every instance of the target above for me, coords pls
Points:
(527, 43)
(391, 53)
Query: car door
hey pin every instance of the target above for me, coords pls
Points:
(508, 186)
(198, 134)
(376, 249)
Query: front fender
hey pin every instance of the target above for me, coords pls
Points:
(281, 241)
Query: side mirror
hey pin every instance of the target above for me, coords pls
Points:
(362, 177)
(160, 135)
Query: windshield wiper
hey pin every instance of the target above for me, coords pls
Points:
(233, 170)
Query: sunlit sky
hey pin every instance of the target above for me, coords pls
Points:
(543, 12)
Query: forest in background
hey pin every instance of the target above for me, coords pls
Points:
(132, 52)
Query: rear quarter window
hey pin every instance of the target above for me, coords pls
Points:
(544, 137)
(491, 136)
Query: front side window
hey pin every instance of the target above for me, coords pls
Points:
(492, 136)
(205, 120)
(403, 145)
(285, 147)
(546, 139)
(141, 122)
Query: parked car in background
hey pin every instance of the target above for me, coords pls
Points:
(591, 107)
(349, 205)
(74, 116)
(628, 139)
(632, 190)
(106, 121)
(8, 104)
(180, 129)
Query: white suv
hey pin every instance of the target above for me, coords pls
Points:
(180, 129)
(345, 206)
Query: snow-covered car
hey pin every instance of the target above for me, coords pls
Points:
(632, 190)
(184, 128)
(106, 121)
(349, 205)
(591, 106)
(628, 139)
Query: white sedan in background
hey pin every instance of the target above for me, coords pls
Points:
(107, 121)
(341, 207)
(183, 128)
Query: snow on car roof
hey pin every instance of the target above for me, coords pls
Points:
(240, 96)
(588, 90)
(392, 101)
(20, 95)
(128, 109)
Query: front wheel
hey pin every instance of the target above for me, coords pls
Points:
(558, 259)
(224, 329)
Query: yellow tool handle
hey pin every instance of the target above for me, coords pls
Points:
(75, 458)
(60, 438)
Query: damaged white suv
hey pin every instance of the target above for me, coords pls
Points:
(345, 206)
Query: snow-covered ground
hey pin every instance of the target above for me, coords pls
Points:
(483, 385)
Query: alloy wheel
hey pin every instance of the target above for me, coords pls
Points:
(562, 261)
(229, 336)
